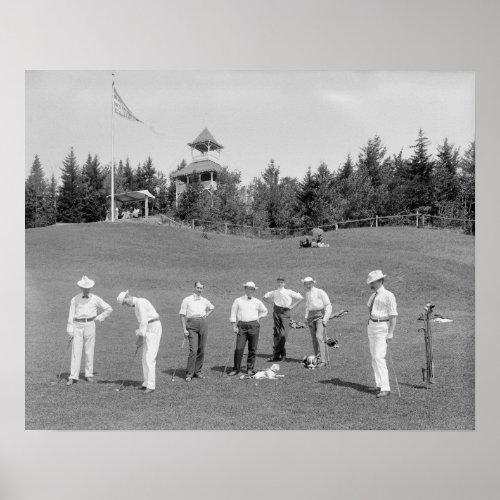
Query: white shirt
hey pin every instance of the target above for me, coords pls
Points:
(144, 312)
(245, 309)
(317, 299)
(384, 305)
(195, 306)
(86, 308)
(283, 297)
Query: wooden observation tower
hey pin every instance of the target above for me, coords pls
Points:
(204, 168)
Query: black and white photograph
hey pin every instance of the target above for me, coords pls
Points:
(297, 249)
(251, 245)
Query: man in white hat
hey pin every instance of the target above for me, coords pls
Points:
(194, 312)
(81, 327)
(318, 312)
(148, 336)
(383, 312)
(283, 301)
(245, 315)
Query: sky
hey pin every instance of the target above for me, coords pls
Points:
(297, 118)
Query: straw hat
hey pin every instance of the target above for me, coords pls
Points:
(121, 297)
(375, 276)
(86, 282)
(307, 279)
(250, 284)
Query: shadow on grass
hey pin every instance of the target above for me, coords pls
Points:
(287, 359)
(179, 372)
(413, 386)
(351, 385)
(221, 369)
(126, 382)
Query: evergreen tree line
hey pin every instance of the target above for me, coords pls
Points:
(374, 184)
(81, 195)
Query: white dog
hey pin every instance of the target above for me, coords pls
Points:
(270, 373)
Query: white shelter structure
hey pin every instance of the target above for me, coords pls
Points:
(205, 167)
(144, 194)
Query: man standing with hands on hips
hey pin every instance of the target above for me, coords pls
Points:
(383, 312)
(148, 336)
(194, 312)
(283, 300)
(81, 327)
(318, 312)
(245, 314)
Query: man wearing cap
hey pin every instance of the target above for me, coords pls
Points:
(318, 311)
(194, 312)
(81, 327)
(283, 300)
(383, 312)
(148, 336)
(245, 314)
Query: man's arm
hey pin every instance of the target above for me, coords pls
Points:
(232, 318)
(328, 308)
(298, 299)
(268, 297)
(107, 310)
(143, 323)
(209, 309)
(183, 323)
(392, 326)
(262, 310)
(69, 327)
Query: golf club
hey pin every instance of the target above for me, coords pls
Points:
(229, 357)
(393, 369)
(182, 347)
(129, 368)
(339, 314)
(62, 361)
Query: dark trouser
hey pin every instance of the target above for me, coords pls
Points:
(247, 330)
(281, 318)
(198, 330)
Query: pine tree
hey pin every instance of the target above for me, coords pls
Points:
(69, 200)
(446, 187)
(420, 192)
(35, 193)
(52, 201)
(93, 192)
(468, 184)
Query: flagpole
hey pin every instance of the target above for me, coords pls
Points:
(112, 151)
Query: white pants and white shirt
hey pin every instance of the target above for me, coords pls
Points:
(81, 326)
(150, 329)
(382, 305)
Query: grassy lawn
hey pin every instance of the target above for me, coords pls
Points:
(161, 263)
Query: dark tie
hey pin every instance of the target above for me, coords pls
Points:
(373, 302)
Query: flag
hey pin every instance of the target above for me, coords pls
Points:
(120, 108)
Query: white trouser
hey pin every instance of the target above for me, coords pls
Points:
(149, 352)
(83, 333)
(377, 335)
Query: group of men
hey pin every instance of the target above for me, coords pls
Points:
(246, 312)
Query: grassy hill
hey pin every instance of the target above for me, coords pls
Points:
(161, 263)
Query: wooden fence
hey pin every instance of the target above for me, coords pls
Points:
(417, 220)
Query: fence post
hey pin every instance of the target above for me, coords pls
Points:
(258, 232)
(376, 220)
(416, 223)
(225, 228)
(192, 223)
(423, 220)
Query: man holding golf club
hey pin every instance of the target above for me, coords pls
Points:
(382, 309)
(81, 328)
(194, 312)
(245, 315)
(283, 300)
(318, 312)
(148, 336)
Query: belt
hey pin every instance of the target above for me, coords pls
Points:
(85, 320)
(153, 320)
(378, 320)
(282, 308)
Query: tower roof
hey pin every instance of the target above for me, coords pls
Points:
(198, 167)
(204, 141)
